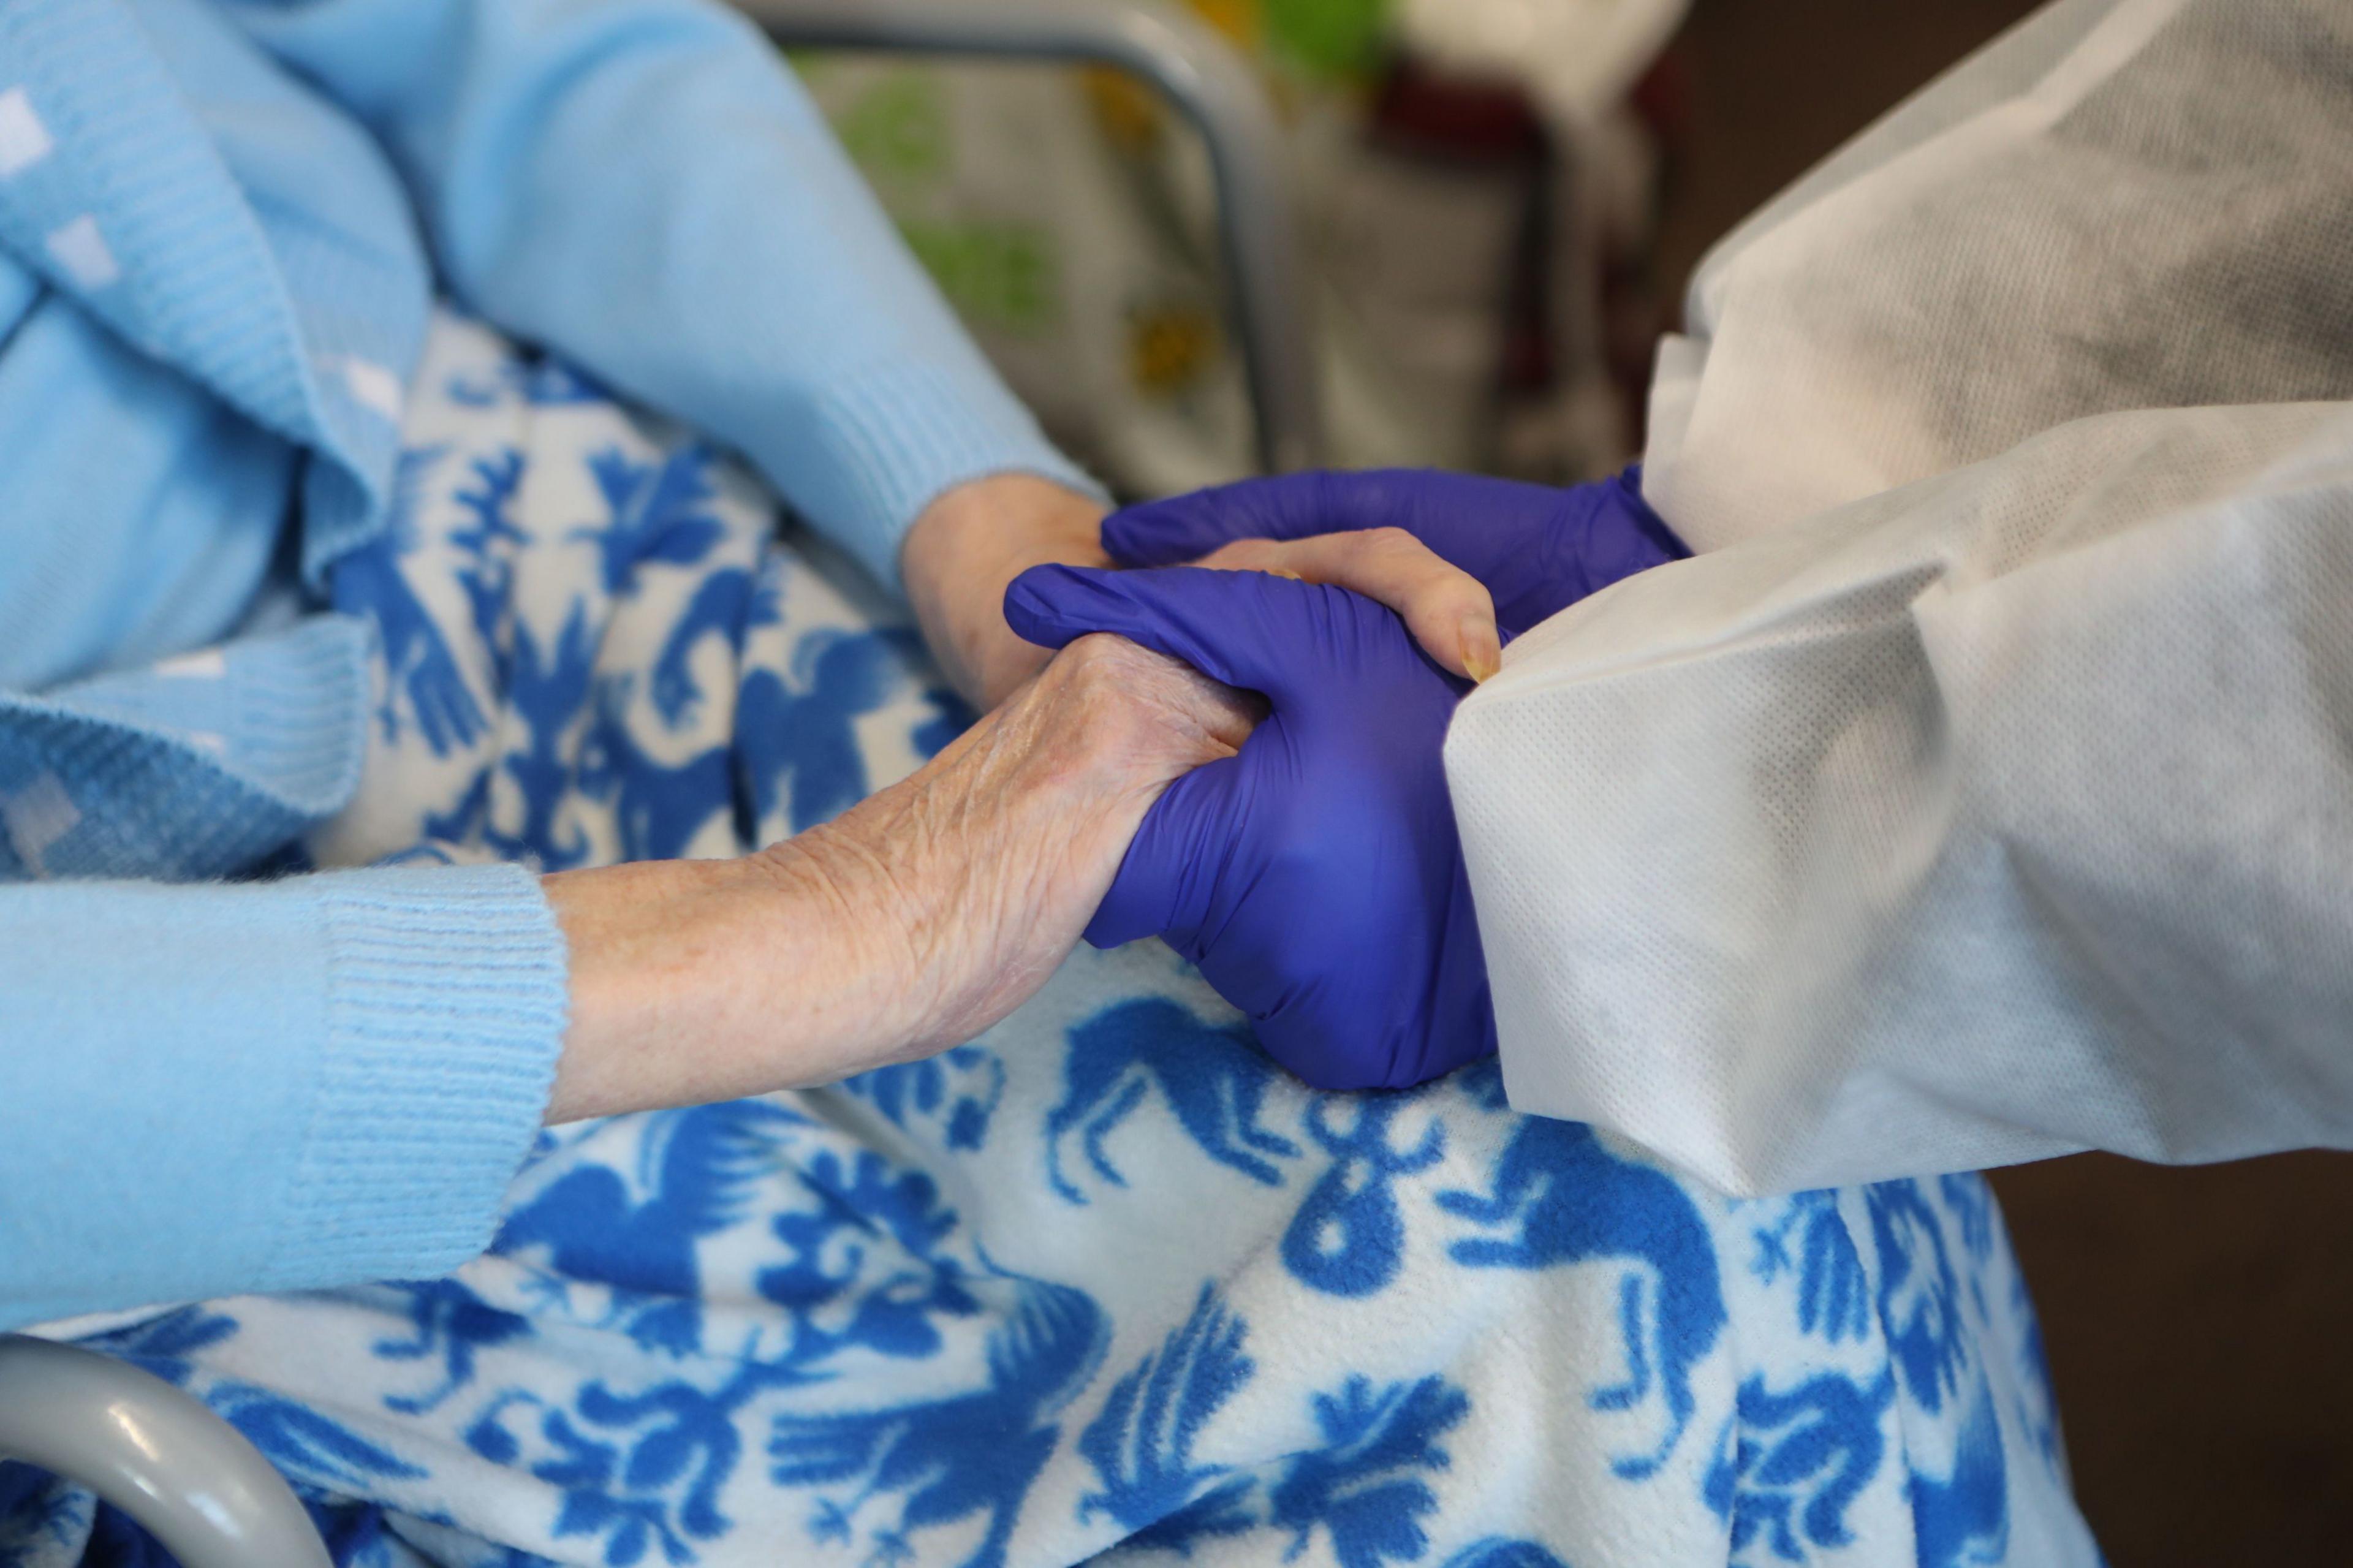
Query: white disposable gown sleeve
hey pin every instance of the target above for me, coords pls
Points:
(1983, 790)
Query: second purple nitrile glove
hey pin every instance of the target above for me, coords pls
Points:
(1538, 550)
(1315, 878)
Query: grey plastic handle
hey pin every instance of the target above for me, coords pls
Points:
(153, 1452)
(1212, 85)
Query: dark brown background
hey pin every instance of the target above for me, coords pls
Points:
(2200, 1321)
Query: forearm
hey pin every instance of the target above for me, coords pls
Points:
(696, 980)
(908, 924)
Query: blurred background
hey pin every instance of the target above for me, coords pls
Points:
(1503, 200)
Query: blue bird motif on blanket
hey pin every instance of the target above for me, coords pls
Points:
(1347, 1239)
(807, 738)
(1214, 1080)
(655, 513)
(1572, 1201)
(961, 1456)
(418, 662)
(703, 1163)
(1367, 1486)
(1141, 1442)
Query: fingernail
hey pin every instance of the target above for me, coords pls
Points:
(1285, 572)
(1481, 654)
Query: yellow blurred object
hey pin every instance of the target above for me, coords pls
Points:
(1126, 110)
(1241, 20)
(1169, 346)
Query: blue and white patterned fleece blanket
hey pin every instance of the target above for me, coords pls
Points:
(1102, 1282)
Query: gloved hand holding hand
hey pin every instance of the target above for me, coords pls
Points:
(1315, 877)
(1536, 549)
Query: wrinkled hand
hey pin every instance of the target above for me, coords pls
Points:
(907, 924)
(1534, 549)
(966, 546)
(1315, 878)
(988, 863)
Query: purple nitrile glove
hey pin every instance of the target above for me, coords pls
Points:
(1538, 550)
(1315, 878)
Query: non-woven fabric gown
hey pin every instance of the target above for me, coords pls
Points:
(1100, 1283)
(1980, 792)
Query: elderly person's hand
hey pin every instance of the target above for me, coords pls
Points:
(908, 924)
(969, 543)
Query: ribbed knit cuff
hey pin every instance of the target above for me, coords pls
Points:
(445, 1008)
(892, 440)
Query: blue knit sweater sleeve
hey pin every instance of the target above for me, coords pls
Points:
(642, 185)
(272, 1086)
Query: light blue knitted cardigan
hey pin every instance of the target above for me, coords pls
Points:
(221, 225)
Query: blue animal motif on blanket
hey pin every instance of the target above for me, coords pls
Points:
(808, 737)
(700, 1165)
(1798, 1460)
(1963, 1517)
(1347, 1239)
(1141, 1442)
(1919, 1300)
(418, 662)
(1367, 1485)
(1572, 1202)
(1833, 1293)
(658, 806)
(1213, 1080)
(960, 1456)
(655, 513)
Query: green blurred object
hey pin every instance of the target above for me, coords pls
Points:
(1330, 38)
(995, 274)
(897, 130)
